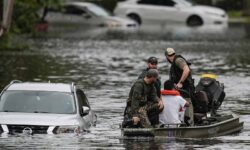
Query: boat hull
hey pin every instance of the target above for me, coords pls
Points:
(227, 125)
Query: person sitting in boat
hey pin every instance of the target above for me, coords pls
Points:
(173, 103)
(142, 101)
(152, 64)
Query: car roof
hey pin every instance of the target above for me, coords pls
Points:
(29, 86)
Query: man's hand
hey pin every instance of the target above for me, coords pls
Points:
(160, 104)
(136, 120)
(179, 86)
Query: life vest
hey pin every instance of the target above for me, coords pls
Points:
(170, 92)
(176, 72)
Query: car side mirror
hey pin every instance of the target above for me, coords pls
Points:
(85, 110)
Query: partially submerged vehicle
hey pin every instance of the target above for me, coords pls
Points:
(207, 123)
(87, 14)
(44, 108)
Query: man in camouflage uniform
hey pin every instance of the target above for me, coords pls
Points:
(152, 64)
(142, 101)
(180, 74)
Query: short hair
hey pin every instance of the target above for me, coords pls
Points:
(168, 85)
(152, 73)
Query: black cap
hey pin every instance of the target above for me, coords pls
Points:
(152, 60)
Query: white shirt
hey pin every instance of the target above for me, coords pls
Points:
(172, 105)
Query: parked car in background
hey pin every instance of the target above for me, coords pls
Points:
(87, 14)
(44, 108)
(167, 11)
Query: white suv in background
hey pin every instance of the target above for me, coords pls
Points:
(166, 11)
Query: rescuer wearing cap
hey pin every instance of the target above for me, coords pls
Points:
(152, 64)
(180, 72)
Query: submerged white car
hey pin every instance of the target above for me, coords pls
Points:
(87, 14)
(166, 11)
(44, 108)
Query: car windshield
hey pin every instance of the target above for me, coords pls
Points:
(37, 102)
(187, 3)
(98, 11)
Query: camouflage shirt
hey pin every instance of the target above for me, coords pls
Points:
(140, 95)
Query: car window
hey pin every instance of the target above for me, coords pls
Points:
(37, 102)
(83, 101)
(186, 3)
(98, 11)
(157, 2)
(70, 9)
(166, 2)
(149, 2)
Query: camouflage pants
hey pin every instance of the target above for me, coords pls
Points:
(144, 113)
(190, 112)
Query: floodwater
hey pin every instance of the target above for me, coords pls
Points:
(105, 63)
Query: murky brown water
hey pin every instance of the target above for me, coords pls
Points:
(106, 63)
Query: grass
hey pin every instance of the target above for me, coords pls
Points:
(238, 16)
(235, 14)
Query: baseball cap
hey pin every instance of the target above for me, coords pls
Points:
(169, 52)
(152, 60)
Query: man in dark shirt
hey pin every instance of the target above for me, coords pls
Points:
(152, 64)
(180, 72)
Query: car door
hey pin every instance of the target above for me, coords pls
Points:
(75, 15)
(159, 10)
(148, 10)
(69, 14)
(170, 11)
(89, 119)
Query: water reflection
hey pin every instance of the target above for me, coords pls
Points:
(183, 32)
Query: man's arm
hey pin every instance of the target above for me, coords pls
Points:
(183, 102)
(137, 98)
(160, 104)
(181, 63)
(156, 98)
(185, 74)
(186, 104)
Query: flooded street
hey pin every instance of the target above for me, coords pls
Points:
(105, 63)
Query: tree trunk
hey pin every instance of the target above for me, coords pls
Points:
(7, 14)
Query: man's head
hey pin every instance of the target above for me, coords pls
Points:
(170, 53)
(152, 63)
(151, 76)
(168, 85)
